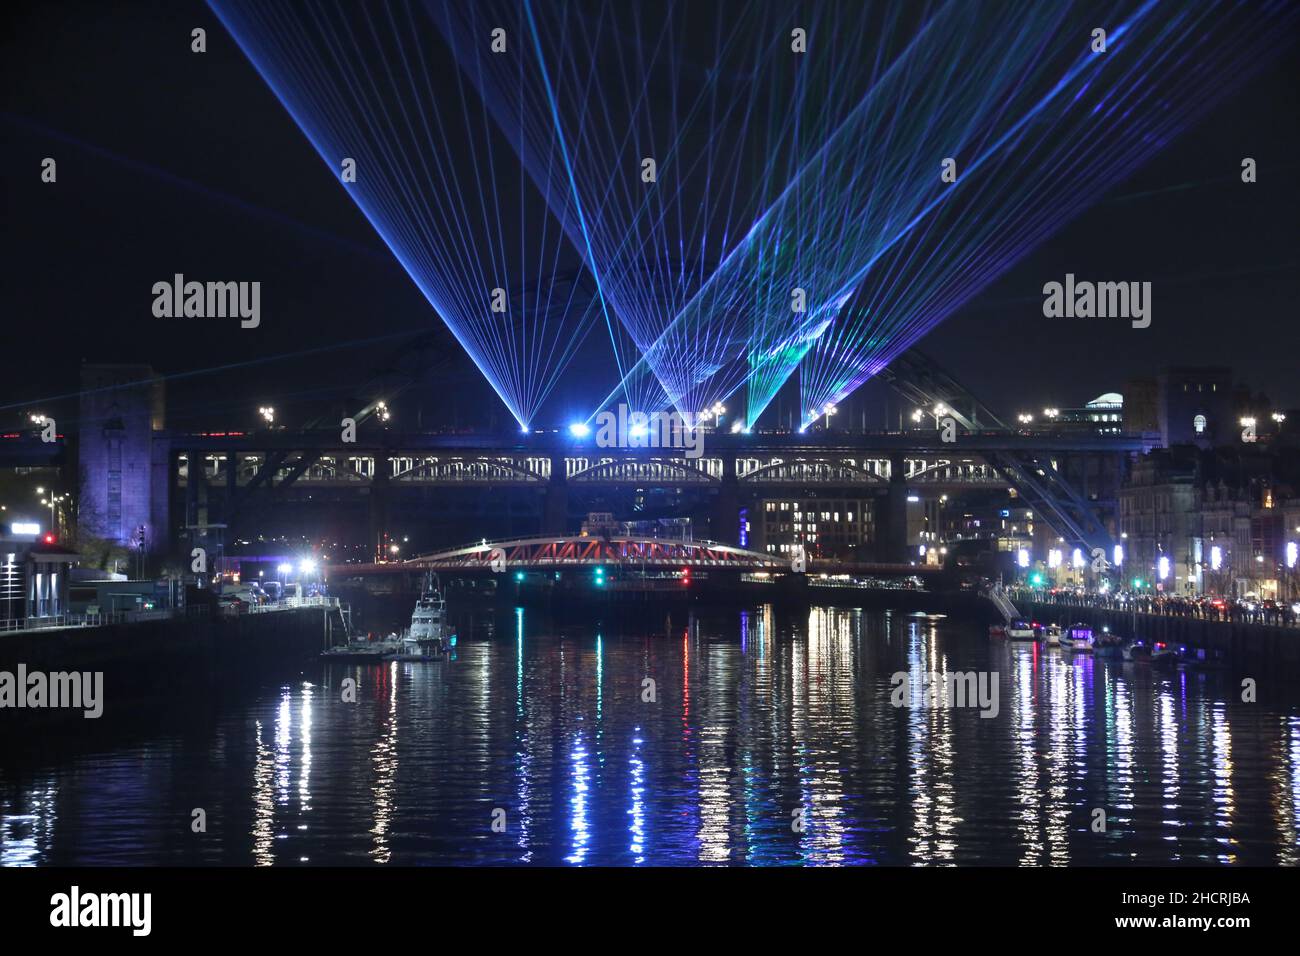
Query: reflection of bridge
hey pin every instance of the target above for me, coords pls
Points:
(559, 554)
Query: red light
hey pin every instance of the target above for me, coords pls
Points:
(49, 538)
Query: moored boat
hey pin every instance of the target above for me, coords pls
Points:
(1137, 650)
(1108, 645)
(427, 638)
(1078, 637)
(1052, 635)
(361, 650)
(1164, 654)
(1020, 631)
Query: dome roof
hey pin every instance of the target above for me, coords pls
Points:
(1109, 399)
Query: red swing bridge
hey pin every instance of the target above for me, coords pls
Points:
(613, 552)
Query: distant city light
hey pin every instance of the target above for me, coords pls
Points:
(1054, 558)
(1077, 558)
(1022, 558)
(1291, 554)
(1216, 557)
(1162, 567)
(1119, 555)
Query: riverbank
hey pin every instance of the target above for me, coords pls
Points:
(159, 659)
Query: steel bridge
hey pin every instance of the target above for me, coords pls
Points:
(732, 468)
(631, 553)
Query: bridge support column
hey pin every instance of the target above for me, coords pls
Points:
(191, 488)
(379, 505)
(891, 515)
(555, 501)
(724, 522)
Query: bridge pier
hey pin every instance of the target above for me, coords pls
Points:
(891, 515)
(555, 502)
(724, 522)
(378, 508)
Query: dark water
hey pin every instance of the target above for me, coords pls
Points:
(759, 722)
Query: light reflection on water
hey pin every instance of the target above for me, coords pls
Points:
(770, 740)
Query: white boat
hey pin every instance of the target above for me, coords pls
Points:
(1077, 637)
(427, 638)
(1052, 634)
(1020, 631)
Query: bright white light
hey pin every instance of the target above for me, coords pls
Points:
(912, 499)
(1022, 558)
(1077, 558)
(638, 431)
(25, 527)
(284, 568)
(737, 426)
(1119, 555)
(1054, 558)
(1162, 567)
(1291, 554)
(1216, 557)
(523, 429)
(306, 566)
(579, 430)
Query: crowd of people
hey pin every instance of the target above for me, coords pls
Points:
(1205, 607)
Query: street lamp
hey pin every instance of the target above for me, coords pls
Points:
(267, 413)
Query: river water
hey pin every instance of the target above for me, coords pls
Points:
(764, 739)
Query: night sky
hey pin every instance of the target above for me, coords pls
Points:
(174, 162)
